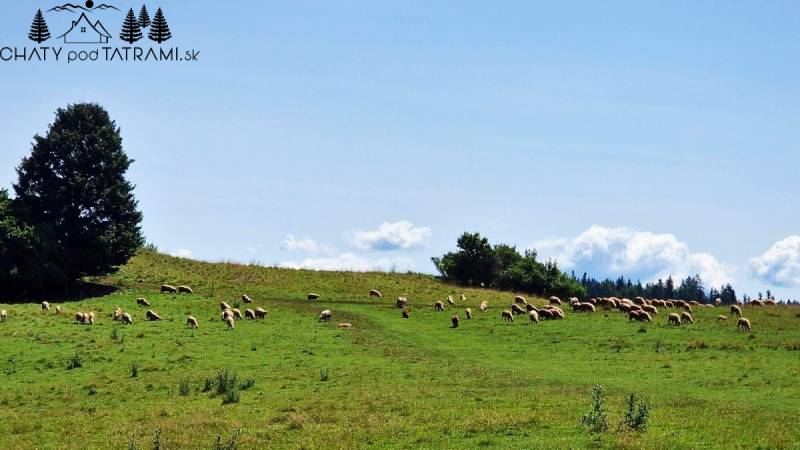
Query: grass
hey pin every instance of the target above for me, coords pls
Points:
(393, 383)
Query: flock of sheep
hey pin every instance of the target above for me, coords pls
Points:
(638, 309)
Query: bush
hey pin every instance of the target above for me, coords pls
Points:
(183, 387)
(323, 374)
(596, 419)
(74, 362)
(134, 369)
(637, 414)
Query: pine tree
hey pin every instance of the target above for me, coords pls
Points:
(144, 17)
(130, 29)
(159, 30)
(74, 189)
(39, 32)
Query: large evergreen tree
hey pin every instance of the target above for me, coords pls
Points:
(131, 32)
(39, 31)
(144, 17)
(159, 30)
(74, 190)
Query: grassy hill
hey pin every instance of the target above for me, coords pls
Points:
(391, 383)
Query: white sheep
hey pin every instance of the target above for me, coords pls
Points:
(325, 315)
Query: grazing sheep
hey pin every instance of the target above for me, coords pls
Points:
(185, 290)
(401, 302)
(261, 313)
(406, 313)
(770, 303)
(127, 319)
(736, 311)
(555, 300)
(90, 318)
(507, 316)
(483, 306)
(80, 318)
(673, 318)
(743, 324)
(468, 313)
(669, 304)
(325, 315)
(45, 307)
(230, 323)
(624, 307)
(152, 316)
(687, 308)
(191, 322)
(438, 306)
(717, 302)
(529, 307)
(607, 303)
(546, 314)
(686, 317)
(312, 296)
(515, 309)
(721, 317)
(223, 306)
(583, 307)
(636, 308)
(454, 320)
(639, 300)
(450, 300)
(463, 298)
(375, 293)
(752, 303)
(167, 289)
(574, 301)
(58, 310)
(643, 316)
(633, 315)
(249, 314)
(534, 316)
(142, 302)
(520, 300)
(246, 299)
(650, 309)
(237, 314)
(225, 314)
(3, 315)
(344, 325)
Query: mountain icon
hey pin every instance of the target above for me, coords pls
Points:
(72, 7)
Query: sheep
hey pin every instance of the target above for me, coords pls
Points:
(237, 314)
(438, 306)
(557, 313)
(167, 289)
(624, 307)
(152, 316)
(669, 304)
(607, 303)
(406, 313)
(506, 316)
(673, 318)
(633, 315)
(574, 301)
(45, 307)
(534, 316)
(687, 308)
(643, 316)
(142, 302)
(463, 298)
(249, 314)
(694, 303)
(3, 315)
(230, 323)
(117, 314)
(743, 324)
(58, 310)
(312, 296)
(529, 307)
(80, 318)
(246, 299)
(520, 300)
(636, 308)
(483, 306)
(450, 300)
(223, 306)
(375, 293)
(455, 321)
(717, 302)
(90, 318)
(325, 315)
(127, 319)
(261, 313)
(555, 300)
(686, 317)
(515, 309)
(345, 325)
(468, 313)
(639, 300)
(752, 303)
(185, 290)
(225, 314)
(721, 317)
(770, 302)
(583, 307)
(401, 302)
(736, 311)
(546, 314)
(191, 322)
(650, 309)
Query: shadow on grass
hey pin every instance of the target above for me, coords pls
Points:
(72, 292)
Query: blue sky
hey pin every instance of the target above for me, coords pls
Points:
(637, 138)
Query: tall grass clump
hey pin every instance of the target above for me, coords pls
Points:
(74, 361)
(637, 414)
(227, 386)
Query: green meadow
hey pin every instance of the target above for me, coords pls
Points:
(387, 382)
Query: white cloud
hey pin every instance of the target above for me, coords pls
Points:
(392, 236)
(183, 253)
(602, 252)
(291, 243)
(780, 265)
(352, 263)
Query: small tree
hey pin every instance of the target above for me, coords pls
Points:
(144, 17)
(159, 30)
(39, 31)
(130, 29)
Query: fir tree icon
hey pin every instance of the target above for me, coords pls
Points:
(130, 29)
(39, 32)
(144, 17)
(159, 30)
